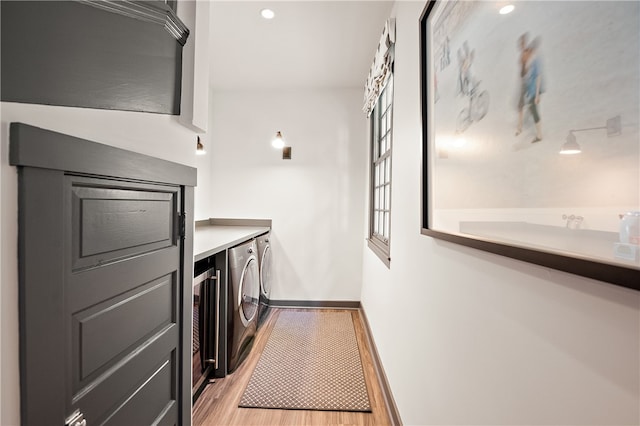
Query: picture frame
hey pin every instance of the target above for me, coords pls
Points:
(530, 132)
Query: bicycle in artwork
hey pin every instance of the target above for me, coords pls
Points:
(476, 110)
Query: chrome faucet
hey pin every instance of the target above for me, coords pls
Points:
(573, 221)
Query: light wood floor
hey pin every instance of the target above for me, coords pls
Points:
(218, 403)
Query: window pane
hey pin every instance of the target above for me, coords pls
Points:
(376, 175)
(387, 167)
(387, 175)
(384, 228)
(376, 215)
(386, 225)
(376, 198)
(387, 196)
(375, 221)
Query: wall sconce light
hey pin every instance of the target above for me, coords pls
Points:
(200, 148)
(571, 146)
(278, 141)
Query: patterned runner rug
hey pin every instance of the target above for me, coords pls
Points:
(310, 362)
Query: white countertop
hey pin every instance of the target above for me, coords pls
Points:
(212, 239)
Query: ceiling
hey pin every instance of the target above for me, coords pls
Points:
(309, 44)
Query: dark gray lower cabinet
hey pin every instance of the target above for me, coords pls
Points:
(105, 291)
(210, 313)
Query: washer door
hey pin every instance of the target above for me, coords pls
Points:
(265, 272)
(248, 292)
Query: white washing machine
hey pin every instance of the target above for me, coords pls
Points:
(264, 257)
(243, 302)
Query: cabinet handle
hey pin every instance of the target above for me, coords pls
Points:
(208, 358)
(217, 325)
(204, 327)
(76, 419)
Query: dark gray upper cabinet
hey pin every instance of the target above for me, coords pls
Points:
(124, 55)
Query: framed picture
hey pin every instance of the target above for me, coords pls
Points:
(531, 142)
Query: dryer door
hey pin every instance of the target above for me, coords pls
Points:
(249, 291)
(265, 271)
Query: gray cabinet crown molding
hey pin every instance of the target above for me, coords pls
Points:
(159, 13)
(35, 147)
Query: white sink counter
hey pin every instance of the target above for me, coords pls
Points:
(220, 234)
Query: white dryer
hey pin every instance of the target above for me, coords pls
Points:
(264, 257)
(244, 293)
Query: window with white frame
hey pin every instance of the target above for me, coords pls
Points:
(378, 105)
(380, 193)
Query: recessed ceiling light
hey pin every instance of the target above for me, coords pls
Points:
(507, 9)
(267, 13)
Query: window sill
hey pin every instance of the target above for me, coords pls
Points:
(382, 253)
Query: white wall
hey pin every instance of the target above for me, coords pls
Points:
(157, 135)
(315, 199)
(467, 337)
